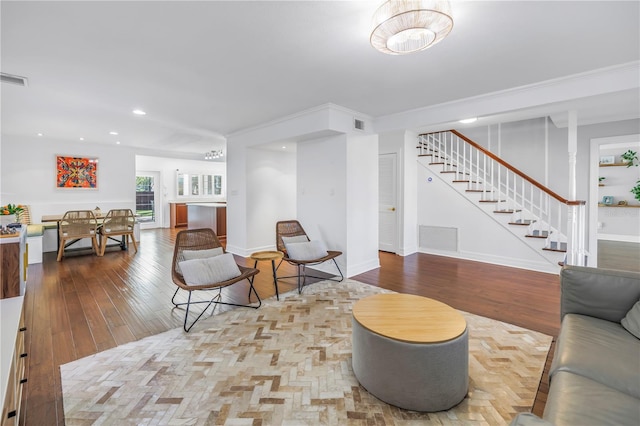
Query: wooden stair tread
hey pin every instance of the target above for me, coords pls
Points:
(491, 201)
(506, 211)
(557, 247)
(556, 250)
(522, 222)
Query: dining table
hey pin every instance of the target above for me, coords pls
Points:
(99, 217)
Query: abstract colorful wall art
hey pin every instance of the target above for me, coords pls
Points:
(77, 172)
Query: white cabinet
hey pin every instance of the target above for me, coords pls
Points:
(12, 358)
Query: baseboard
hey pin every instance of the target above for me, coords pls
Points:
(621, 238)
(498, 260)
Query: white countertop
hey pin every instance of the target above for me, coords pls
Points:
(199, 204)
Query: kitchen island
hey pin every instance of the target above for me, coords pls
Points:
(208, 215)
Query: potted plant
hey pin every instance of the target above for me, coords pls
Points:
(629, 157)
(9, 213)
(636, 190)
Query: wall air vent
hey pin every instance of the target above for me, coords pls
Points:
(13, 79)
(358, 124)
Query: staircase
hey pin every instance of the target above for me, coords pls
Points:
(552, 226)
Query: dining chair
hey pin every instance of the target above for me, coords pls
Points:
(75, 225)
(117, 222)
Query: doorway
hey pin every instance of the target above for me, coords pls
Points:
(387, 202)
(148, 200)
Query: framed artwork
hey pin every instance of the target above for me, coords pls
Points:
(607, 200)
(76, 172)
(607, 159)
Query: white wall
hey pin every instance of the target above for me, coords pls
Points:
(29, 176)
(479, 236)
(322, 192)
(362, 204)
(271, 195)
(338, 198)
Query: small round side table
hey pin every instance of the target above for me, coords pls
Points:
(272, 256)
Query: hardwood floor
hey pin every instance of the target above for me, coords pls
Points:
(86, 304)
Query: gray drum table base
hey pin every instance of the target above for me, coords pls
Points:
(414, 376)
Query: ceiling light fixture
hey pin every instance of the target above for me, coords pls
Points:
(81, 138)
(407, 26)
(113, 133)
(39, 134)
(213, 154)
(469, 120)
(139, 112)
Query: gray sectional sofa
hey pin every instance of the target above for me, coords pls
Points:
(595, 373)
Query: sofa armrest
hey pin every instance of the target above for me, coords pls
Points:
(599, 293)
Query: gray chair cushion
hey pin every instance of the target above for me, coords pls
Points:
(588, 346)
(575, 400)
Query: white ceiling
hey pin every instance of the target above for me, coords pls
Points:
(206, 69)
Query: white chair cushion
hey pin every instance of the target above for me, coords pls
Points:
(296, 239)
(199, 254)
(209, 270)
(202, 254)
(308, 250)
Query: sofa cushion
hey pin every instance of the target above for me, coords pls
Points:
(597, 292)
(576, 400)
(600, 350)
(631, 322)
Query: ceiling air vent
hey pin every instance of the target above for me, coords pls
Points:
(358, 124)
(13, 79)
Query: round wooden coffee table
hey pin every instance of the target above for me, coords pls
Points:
(266, 256)
(410, 351)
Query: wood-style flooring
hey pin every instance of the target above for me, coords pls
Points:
(86, 304)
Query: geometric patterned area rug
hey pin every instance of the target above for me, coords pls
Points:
(287, 363)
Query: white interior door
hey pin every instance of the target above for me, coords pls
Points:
(387, 201)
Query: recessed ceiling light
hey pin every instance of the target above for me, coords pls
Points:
(113, 133)
(284, 147)
(139, 112)
(81, 138)
(469, 120)
(39, 134)
(117, 142)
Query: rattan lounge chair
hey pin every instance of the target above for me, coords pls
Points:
(205, 239)
(292, 228)
(75, 225)
(117, 222)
